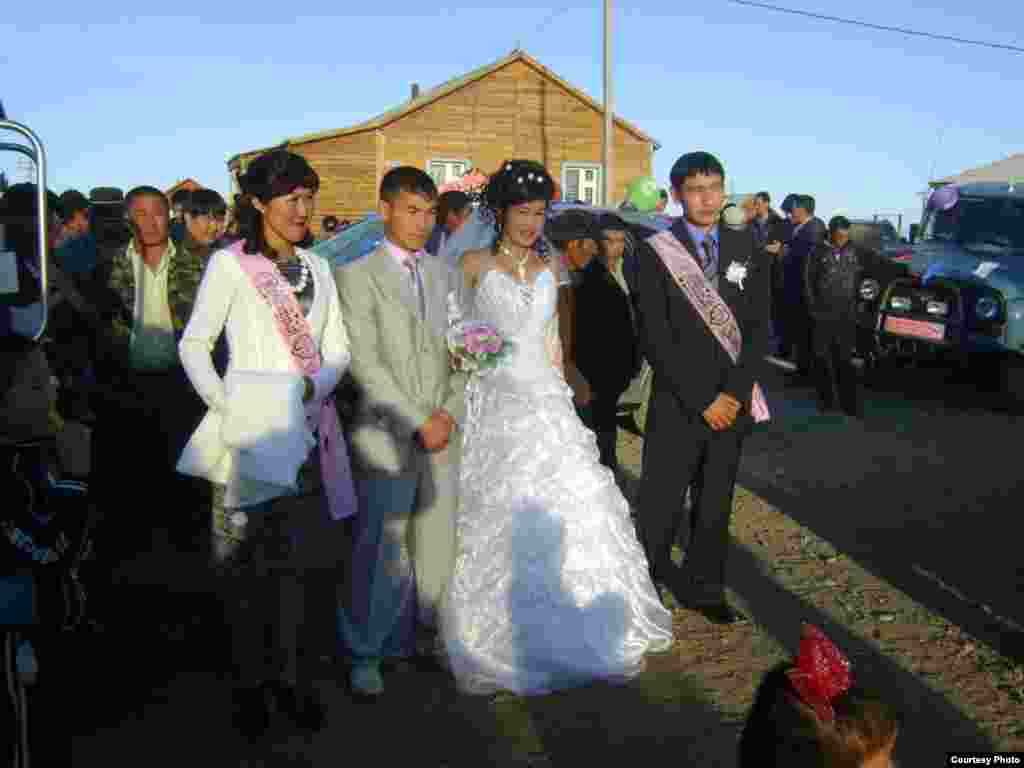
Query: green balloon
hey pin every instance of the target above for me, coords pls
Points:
(643, 193)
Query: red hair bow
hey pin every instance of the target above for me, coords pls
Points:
(821, 673)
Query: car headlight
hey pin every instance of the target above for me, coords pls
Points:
(869, 289)
(937, 308)
(900, 303)
(987, 308)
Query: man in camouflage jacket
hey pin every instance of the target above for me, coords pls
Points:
(146, 407)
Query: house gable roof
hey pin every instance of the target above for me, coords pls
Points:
(434, 94)
(1004, 170)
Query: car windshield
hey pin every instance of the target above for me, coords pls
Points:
(981, 221)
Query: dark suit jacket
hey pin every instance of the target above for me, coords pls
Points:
(766, 233)
(606, 341)
(686, 357)
(803, 244)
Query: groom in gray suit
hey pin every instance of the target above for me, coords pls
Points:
(405, 439)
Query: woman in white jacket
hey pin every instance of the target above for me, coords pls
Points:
(278, 305)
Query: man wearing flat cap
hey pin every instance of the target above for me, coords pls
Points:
(703, 304)
(575, 234)
(830, 285)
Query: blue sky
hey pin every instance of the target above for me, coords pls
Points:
(859, 118)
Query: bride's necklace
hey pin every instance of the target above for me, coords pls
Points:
(525, 288)
(520, 263)
(300, 286)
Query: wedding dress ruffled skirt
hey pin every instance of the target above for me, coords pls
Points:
(551, 587)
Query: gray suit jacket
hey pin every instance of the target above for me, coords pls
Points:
(399, 361)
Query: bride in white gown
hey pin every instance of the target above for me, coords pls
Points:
(551, 586)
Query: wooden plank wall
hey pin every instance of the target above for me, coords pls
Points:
(347, 169)
(515, 112)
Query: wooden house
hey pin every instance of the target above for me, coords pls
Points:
(513, 108)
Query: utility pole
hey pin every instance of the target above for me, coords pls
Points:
(609, 136)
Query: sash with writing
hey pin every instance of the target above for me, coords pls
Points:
(709, 305)
(297, 336)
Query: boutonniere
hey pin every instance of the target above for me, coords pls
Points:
(736, 273)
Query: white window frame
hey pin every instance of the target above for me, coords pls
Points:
(448, 162)
(584, 166)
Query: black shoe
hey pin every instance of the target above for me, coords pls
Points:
(252, 715)
(303, 707)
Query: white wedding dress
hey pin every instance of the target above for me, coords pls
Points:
(550, 587)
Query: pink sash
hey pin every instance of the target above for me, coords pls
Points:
(709, 305)
(298, 338)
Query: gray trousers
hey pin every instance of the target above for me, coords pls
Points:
(402, 557)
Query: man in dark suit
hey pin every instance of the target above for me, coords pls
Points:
(606, 337)
(831, 290)
(808, 233)
(703, 399)
(765, 219)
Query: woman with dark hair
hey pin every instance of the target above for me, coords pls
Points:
(551, 587)
(278, 305)
(204, 212)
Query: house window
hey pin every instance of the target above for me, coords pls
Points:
(582, 183)
(444, 170)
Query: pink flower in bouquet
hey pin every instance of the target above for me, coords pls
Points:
(481, 338)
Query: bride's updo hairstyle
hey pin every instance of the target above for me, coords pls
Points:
(274, 174)
(514, 183)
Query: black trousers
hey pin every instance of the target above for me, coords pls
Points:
(601, 416)
(836, 377)
(680, 453)
(142, 427)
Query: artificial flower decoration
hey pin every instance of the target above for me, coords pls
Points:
(736, 273)
(821, 673)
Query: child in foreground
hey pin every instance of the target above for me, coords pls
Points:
(808, 713)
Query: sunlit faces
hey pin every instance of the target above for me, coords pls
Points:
(78, 224)
(204, 228)
(581, 252)
(702, 196)
(800, 215)
(25, 407)
(457, 218)
(148, 216)
(614, 245)
(524, 223)
(761, 207)
(286, 217)
(840, 238)
(409, 219)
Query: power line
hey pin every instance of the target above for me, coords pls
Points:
(882, 27)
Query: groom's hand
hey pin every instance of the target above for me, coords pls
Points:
(435, 433)
(721, 414)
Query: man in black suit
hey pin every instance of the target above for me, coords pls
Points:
(766, 221)
(606, 337)
(702, 397)
(808, 233)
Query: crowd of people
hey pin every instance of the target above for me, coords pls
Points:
(291, 421)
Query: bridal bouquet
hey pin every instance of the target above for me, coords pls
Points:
(476, 346)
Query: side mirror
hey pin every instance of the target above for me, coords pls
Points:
(915, 232)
